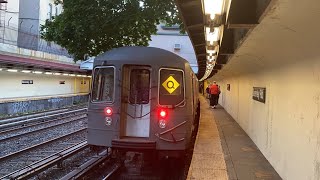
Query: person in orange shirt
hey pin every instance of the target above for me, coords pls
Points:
(214, 94)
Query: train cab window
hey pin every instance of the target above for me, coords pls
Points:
(103, 84)
(171, 87)
(139, 86)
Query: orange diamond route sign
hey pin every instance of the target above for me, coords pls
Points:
(170, 84)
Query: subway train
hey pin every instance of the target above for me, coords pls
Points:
(143, 98)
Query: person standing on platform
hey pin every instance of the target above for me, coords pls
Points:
(214, 93)
(201, 88)
(218, 95)
(208, 92)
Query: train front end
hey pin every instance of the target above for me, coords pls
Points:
(141, 106)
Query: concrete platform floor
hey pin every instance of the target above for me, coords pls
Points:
(208, 158)
(224, 151)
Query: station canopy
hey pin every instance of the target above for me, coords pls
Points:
(217, 28)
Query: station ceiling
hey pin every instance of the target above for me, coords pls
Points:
(241, 17)
(287, 34)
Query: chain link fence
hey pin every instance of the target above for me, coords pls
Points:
(28, 37)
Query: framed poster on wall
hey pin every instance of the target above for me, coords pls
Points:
(259, 94)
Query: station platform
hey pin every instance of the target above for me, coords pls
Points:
(224, 151)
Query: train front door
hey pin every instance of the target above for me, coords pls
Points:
(136, 103)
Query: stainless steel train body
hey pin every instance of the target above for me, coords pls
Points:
(142, 98)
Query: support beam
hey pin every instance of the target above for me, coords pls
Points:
(227, 45)
(190, 4)
(202, 44)
(217, 67)
(222, 59)
(243, 14)
(196, 25)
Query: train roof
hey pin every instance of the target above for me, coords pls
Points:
(140, 54)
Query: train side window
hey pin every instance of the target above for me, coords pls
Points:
(171, 86)
(139, 86)
(103, 84)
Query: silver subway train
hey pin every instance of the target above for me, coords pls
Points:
(143, 98)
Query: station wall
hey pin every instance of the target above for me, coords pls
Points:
(43, 85)
(286, 128)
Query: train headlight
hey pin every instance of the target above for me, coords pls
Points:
(108, 121)
(162, 123)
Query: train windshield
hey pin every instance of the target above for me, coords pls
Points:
(171, 87)
(103, 84)
(139, 86)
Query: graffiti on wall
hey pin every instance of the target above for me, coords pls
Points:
(19, 107)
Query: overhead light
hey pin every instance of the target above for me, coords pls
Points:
(213, 7)
(12, 70)
(79, 75)
(72, 75)
(26, 71)
(89, 76)
(0, 69)
(212, 50)
(65, 74)
(212, 36)
(57, 74)
(37, 72)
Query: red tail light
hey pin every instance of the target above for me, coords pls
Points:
(108, 111)
(163, 113)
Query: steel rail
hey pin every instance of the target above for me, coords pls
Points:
(46, 163)
(115, 169)
(83, 169)
(42, 129)
(28, 116)
(38, 145)
(38, 119)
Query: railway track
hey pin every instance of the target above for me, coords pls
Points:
(24, 157)
(35, 169)
(46, 163)
(14, 124)
(12, 134)
(21, 141)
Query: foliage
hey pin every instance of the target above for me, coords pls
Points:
(90, 27)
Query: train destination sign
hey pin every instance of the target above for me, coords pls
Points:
(259, 94)
(170, 84)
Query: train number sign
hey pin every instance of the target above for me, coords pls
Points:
(170, 84)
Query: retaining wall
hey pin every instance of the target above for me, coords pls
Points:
(28, 106)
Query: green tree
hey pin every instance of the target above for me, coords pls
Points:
(90, 27)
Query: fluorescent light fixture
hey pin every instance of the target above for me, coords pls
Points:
(72, 75)
(89, 76)
(12, 70)
(0, 69)
(65, 74)
(26, 71)
(212, 51)
(213, 7)
(57, 74)
(212, 36)
(37, 72)
(48, 73)
(79, 75)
